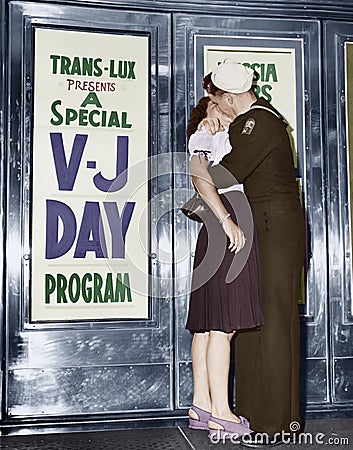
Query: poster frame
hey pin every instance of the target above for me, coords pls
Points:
(31, 23)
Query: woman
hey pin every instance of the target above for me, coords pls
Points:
(218, 305)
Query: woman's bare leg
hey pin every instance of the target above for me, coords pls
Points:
(201, 397)
(218, 362)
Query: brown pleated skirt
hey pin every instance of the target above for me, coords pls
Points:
(226, 287)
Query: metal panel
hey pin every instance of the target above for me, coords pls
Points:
(189, 29)
(343, 382)
(52, 392)
(337, 34)
(86, 367)
(314, 381)
(185, 384)
(330, 9)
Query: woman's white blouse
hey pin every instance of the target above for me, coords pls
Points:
(216, 145)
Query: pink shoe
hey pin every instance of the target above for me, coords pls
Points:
(230, 429)
(201, 422)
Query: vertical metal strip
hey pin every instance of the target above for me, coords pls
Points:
(337, 35)
(3, 121)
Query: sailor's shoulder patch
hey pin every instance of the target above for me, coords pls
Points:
(249, 126)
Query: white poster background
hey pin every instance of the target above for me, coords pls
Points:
(130, 96)
(283, 91)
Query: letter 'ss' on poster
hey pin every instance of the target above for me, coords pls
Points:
(90, 226)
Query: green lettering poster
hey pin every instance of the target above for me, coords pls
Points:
(90, 176)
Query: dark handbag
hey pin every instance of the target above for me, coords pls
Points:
(195, 208)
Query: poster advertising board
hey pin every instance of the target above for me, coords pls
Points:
(90, 176)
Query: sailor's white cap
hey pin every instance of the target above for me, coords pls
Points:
(233, 77)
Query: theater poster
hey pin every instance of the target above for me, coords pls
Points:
(275, 76)
(90, 176)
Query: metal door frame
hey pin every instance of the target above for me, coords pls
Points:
(149, 341)
(188, 29)
(336, 34)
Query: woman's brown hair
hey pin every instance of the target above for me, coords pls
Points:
(197, 114)
(209, 87)
(200, 110)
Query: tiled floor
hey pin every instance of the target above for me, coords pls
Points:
(319, 434)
